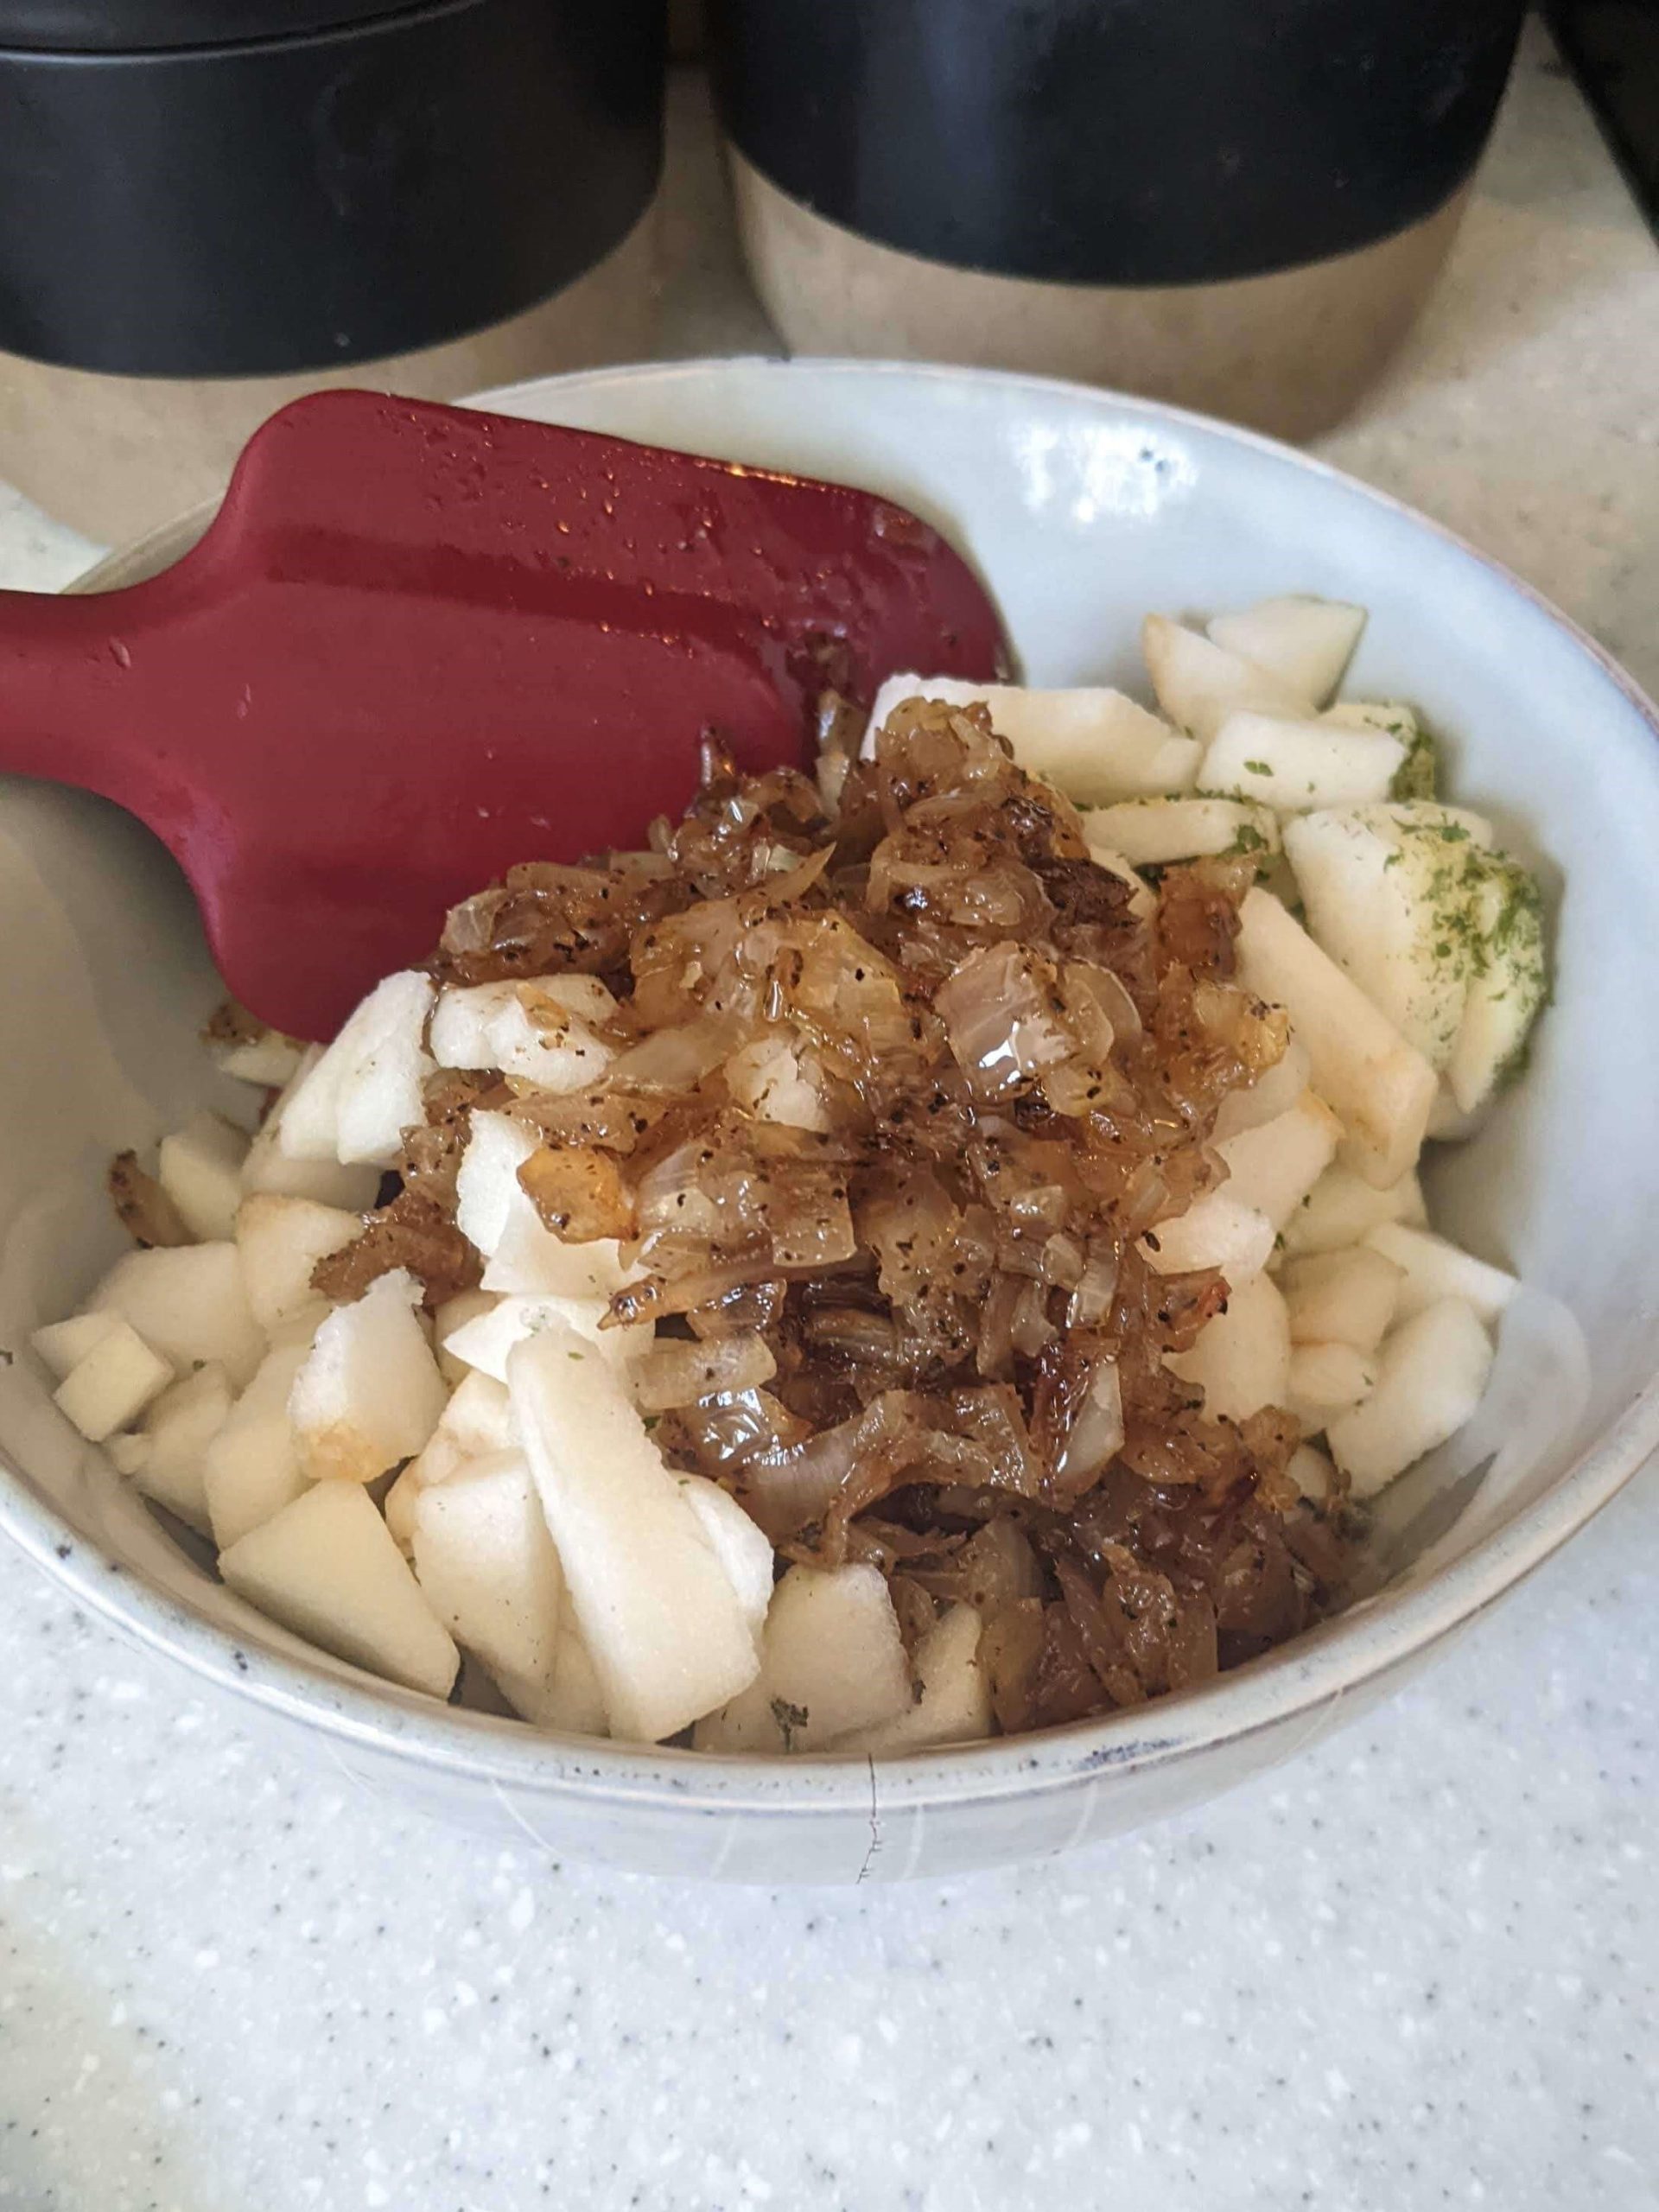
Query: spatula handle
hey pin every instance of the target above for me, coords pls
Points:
(72, 686)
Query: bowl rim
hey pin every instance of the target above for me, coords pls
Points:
(1298, 1682)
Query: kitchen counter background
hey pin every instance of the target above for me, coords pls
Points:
(1416, 1967)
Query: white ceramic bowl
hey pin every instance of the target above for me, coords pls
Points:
(1083, 511)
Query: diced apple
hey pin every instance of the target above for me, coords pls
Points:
(484, 1343)
(1432, 1268)
(326, 1567)
(1341, 1298)
(354, 1105)
(270, 1060)
(281, 1240)
(178, 1428)
(188, 1303)
(568, 1700)
(455, 1313)
(1343, 1207)
(953, 1693)
(487, 1190)
(1379, 1087)
(658, 1613)
(1269, 1096)
(1150, 832)
(370, 1393)
(1242, 1359)
(113, 1383)
(1215, 1231)
(1311, 1471)
(251, 1469)
(1200, 683)
(742, 1547)
(542, 1032)
(1095, 745)
(487, 1567)
(1393, 716)
(530, 1260)
(477, 1421)
(1306, 643)
(1391, 900)
(1273, 1166)
(268, 1169)
(200, 1170)
(832, 1660)
(1432, 1374)
(63, 1345)
(1294, 766)
(1509, 985)
(126, 1452)
(1326, 1380)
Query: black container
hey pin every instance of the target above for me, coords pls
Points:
(239, 188)
(1156, 149)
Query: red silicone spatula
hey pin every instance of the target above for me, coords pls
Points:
(419, 644)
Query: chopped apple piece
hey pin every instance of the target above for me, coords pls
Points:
(484, 1342)
(1376, 1084)
(1273, 1166)
(268, 1167)
(370, 1393)
(1095, 745)
(1200, 683)
(270, 1060)
(832, 1660)
(1150, 832)
(187, 1302)
(1242, 1359)
(953, 1693)
(63, 1345)
(355, 1102)
(455, 1313)
(281, 1240)
(743, 1549)
(530, 1260)
(477, 1421)
(1431, 1375)
(1434, 1268)
(1306, 643)
(1342, 1208)
(542, 1032)
(113, 1383)
(1270, 1095)
(1326, 1380)
(200, 1170)
(569, 1699)
(1311, 1471)
(487, 1190)
(1509, 987)
(326, 1567)
(126, 1453)
(178, 1428)
(1215, 1231)
(1295, 765)
(1341, 1298)
(658, 1613)
(251, 1469)
(487, 1567)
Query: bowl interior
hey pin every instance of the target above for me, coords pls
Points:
(1083, 511)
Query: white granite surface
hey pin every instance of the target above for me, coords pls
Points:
(1416, 1968)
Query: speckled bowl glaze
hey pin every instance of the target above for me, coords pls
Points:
(1083, 509)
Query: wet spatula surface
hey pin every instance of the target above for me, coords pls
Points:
(420, 644)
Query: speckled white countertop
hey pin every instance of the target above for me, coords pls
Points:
(1416, 1968)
